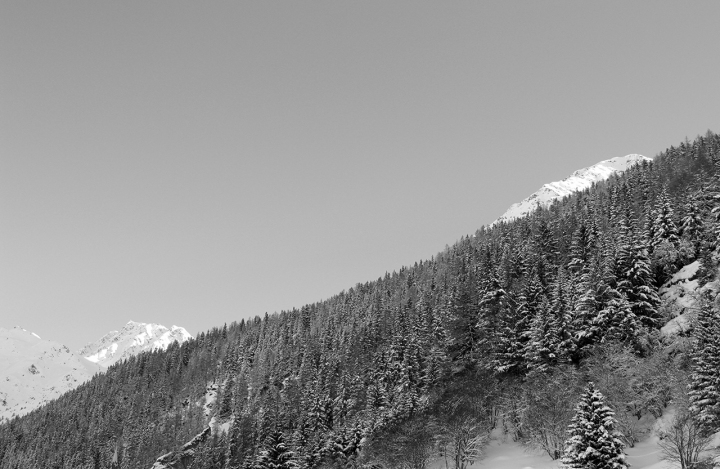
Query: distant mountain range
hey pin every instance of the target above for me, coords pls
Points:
(34, 371)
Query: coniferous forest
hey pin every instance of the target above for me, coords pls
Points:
(541, 326)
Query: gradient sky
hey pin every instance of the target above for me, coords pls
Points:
(195, 163)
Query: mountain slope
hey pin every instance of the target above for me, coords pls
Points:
(134, 338)
(579, 180)
(387, 370)
(34, 371)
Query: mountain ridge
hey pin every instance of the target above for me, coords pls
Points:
(133, 338)
(579, 180)
(36, 371)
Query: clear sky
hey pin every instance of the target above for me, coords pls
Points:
(194, 163)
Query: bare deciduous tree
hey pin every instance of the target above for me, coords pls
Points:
(548, 406)
(463, 440)
(409, 446)
(683, 440)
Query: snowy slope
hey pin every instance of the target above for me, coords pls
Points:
(512, 455)
(679, 296)
(579, 180)
(134, 338)
(503, 453)
(34, 371)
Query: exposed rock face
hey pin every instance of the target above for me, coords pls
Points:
(182, 457)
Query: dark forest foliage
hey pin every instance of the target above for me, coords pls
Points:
(420, 362)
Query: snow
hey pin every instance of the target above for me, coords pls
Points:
(36, 371)
(512, 455)
(679, 295)
(579, 180)
(209, 398)
(508, 455)
(219, 428)
(503, 453)
(134, 338)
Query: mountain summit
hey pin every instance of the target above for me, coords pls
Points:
(579, 180)
(132, 339)
(35, 371)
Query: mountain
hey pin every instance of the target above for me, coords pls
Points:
(492, 340)
(134, 338)
(579, 180)
(34, 371)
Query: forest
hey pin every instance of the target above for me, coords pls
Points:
(536, 326)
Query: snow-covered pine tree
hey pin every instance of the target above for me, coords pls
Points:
(578, 249)
(665, 228)
(593, 442)
(692, 222)
(705, 376)
(276, 455)
(616, 321)
(711, 199)
(510, 337)
(540, 351)
(634, 278)
(561, 320)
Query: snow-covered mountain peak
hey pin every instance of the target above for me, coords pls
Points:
(133, 338)
(579, 180)
(21, 333)
(35, 371)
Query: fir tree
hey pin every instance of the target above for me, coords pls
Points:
(276, 455)
(692, 223)
(705, 377)
(665, 228)
(634, 279)
(593, 442)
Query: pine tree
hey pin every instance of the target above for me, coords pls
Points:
(692, 222)
(711, 202)
(593, 442)
(665, 228)
(543, 337)
(705, 376)
(616, 321)
(634, 278)
(276, 455)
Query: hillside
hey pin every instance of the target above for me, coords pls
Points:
(502, 331)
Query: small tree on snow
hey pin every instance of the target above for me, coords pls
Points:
(593, 443)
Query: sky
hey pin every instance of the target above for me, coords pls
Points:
(196, 163)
